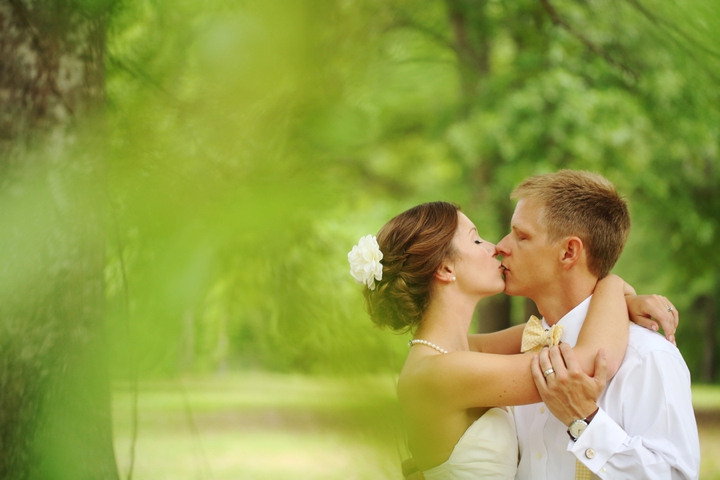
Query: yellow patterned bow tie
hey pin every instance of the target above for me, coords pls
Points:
(535, 336)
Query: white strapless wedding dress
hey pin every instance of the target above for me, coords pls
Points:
(487, 450)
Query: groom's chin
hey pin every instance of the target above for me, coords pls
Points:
(510, 291)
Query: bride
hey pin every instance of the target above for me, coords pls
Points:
(426, 272)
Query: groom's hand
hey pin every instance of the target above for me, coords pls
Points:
(648, 310)
(567, 391)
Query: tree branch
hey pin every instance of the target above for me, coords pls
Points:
(138, 72)
(665, 24)
(404, 20)
(689, 51)
(597, 49)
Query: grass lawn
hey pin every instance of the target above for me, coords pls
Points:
(260, 426)
(706, 399)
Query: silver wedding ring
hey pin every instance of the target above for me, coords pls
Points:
(670, 309)
(548, 372)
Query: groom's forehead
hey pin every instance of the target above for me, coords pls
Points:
(528, 213)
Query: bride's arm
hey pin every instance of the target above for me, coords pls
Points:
(645, 310)
(472, 379)
(606, 326)
(505, 341)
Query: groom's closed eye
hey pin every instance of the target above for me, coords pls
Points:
(521, 235)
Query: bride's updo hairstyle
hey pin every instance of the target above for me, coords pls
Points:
(414, 245)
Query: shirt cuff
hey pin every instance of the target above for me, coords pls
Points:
(600, 440)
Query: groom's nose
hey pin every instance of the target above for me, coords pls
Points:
(502, 247)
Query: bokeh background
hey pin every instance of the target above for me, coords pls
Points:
(181, 182)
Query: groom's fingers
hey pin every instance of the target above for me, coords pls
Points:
(538, 376)
(569, 356)
(544, 359)
(557, 361)
(601, 369)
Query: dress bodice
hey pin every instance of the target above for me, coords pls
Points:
(488, 449)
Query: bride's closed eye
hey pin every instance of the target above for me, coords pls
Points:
(478, 242)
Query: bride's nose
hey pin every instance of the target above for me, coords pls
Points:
(491, 248)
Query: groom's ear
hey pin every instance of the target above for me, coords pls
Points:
(572, 252)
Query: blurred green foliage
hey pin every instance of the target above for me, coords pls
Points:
(251, 143)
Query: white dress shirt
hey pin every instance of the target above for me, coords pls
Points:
(645, 427)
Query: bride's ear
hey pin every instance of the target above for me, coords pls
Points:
(446, 273)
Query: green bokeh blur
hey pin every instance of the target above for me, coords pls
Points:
(248, 144)
(252, 142)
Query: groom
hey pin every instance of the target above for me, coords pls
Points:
(568, 230)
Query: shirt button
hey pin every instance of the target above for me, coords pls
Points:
(602, 470)
(539, 456)
(542, 409)
(590, 453)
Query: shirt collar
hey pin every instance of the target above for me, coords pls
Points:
(572, 322)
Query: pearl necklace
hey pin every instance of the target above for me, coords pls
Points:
(427, 344)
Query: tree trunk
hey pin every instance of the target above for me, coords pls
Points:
(54, 395)
(708, 362)
(470, 27)
(494, 313)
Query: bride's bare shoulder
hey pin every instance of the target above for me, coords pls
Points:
(420, 377)
(411, 372)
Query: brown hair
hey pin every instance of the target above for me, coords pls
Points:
(414, 245)
(584, 204)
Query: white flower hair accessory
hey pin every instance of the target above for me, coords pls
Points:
(364, 258)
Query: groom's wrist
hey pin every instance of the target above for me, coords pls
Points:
(577, 427)
(589, 418)
(591, 415)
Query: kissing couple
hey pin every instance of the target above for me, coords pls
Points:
(616, 400)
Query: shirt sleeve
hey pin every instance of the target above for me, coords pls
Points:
(658, 438)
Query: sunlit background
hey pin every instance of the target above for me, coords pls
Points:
(238, 149)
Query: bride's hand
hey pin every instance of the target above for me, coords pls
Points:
(648, 310)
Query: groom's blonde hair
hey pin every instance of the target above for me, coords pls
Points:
(583, 204)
